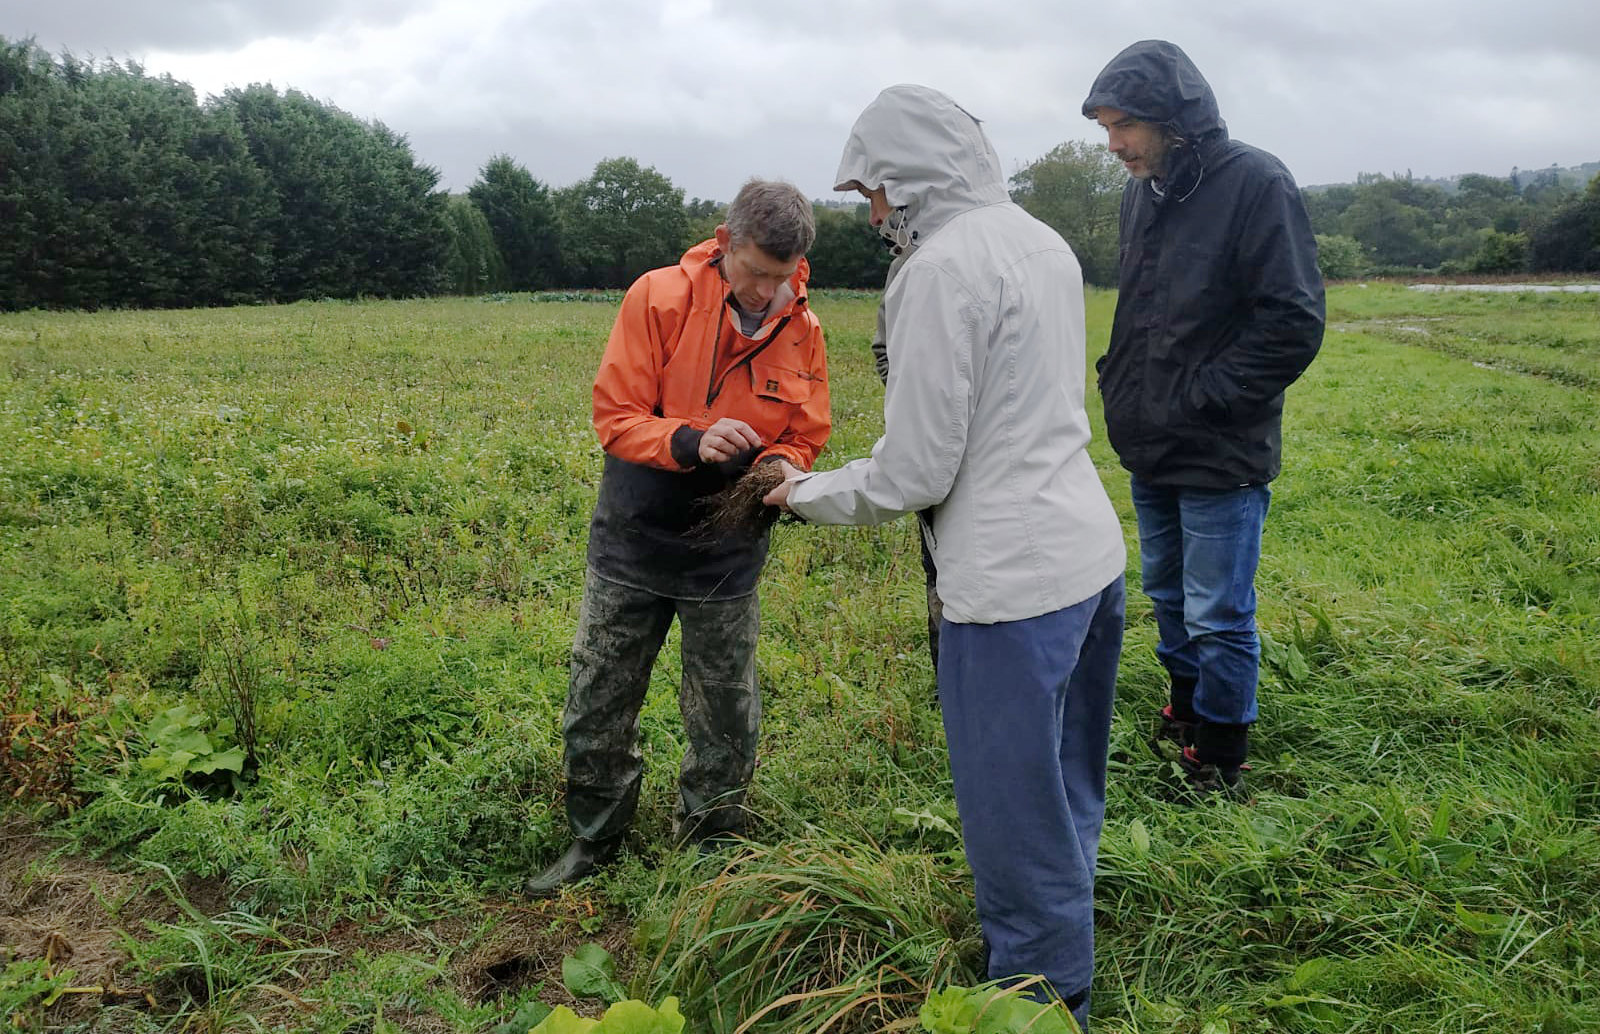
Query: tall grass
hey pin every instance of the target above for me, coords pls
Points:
(819, 934)
(388, 502)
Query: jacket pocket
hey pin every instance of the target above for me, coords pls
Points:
(1198, 296)
(778, 383)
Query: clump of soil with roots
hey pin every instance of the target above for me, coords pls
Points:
(737, 511)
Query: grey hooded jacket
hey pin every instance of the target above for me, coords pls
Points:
(984, 409)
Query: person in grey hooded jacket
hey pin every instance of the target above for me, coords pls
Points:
(1219, 309)
(984, 422)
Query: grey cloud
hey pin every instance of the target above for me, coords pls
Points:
(122, 28)
(1390, 34)
(704, 167)
(975, 26)
(715, 91)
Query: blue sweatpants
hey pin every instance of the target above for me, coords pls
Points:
(1027, 715)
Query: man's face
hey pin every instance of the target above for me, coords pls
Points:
(753, 276)
(878, 204)
(1141, 146)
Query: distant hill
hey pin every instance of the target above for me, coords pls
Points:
(1574, 176)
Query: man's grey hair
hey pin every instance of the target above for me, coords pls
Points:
(774, 216)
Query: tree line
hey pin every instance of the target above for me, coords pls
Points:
(1396, 224)
(1379, 225)
(121, 189)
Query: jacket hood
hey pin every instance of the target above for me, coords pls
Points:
(928, 153)
(1155, 81)
(704, 256)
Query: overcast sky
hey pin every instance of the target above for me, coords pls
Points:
(711, 92)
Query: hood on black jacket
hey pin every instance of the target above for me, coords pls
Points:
(1155, 81)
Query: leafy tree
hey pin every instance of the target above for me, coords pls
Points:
(36, 108)
(1339, 258)
(621, 221)
(1544, 188)
(701, 208)
(522, 218)
(1500, 253)
(118, 189)
(1569, 239)
(1394, 231)
(1476, 188)
(355, 214)
(1077, 190)
(1326, 205)
(847, 252)
(474, 264)
(702, 219)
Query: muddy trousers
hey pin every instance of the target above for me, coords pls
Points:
(1027, 715)
(620, 632)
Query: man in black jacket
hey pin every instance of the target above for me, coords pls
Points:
(1220, 308)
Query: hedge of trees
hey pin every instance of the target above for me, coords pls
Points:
(1484, 225)
(1378, 225)
(121, 189)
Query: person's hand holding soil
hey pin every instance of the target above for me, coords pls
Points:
(779, 496)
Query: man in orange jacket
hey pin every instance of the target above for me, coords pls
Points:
(713, 364)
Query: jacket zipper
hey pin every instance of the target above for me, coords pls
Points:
(714, 388)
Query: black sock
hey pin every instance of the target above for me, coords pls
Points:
(1221, 744)
(1183, 699)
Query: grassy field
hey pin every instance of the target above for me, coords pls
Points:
(286, 597)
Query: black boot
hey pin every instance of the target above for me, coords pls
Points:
(1215, 766)
(1203, 780)
(699, 833)
(711, 843)
(581, 859)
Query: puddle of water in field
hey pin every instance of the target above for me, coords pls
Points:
(1512, 288)
(1412, 325)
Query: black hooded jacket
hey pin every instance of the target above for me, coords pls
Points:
(1220, 303)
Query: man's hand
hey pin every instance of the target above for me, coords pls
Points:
(726, 439)
(780, 496)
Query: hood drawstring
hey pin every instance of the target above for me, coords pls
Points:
(1198, 179)
(1161, 195)
(895, 233)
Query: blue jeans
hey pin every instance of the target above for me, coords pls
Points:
(1198, 549)
(1027, 715)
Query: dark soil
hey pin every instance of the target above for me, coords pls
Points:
(75, 912)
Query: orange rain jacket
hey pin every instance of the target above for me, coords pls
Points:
(675, 364)
(676, 359)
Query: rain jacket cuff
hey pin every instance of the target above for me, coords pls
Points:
(686, 447)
